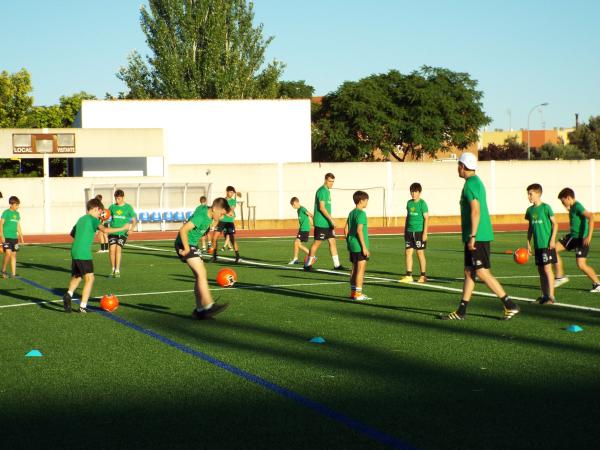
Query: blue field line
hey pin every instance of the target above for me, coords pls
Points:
(349, 422)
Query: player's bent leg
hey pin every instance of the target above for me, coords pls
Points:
(560, 277)
(337, 265)
(590, 272)
(88, 283)
(468, 287)
(510, 308)
(206, 308)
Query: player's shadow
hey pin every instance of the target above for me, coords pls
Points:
(44, 267)
(28, 299)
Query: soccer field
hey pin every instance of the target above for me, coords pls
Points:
(389, 374)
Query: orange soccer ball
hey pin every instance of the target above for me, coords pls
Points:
(105, 215)
(109, 303)
(521, 255)
(226, 277)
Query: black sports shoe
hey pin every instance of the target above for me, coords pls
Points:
(209, 313)
(340, 267)
(67, 302)
(452, 316)
(545, 300)
(308, 268)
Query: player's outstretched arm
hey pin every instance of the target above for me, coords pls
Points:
(554, 232)
(112, 230)
(590, 217)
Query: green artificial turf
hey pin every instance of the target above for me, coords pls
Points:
(388, 363)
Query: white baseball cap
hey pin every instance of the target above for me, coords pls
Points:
(469, 160)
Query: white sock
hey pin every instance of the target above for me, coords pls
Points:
(70, 293)
(336, 260)
(207, 307)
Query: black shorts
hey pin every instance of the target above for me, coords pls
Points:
(194, 252)
(323, 234)
(357, 256)
(571, 243)
(303, 235)
(478, 258)
(414, 239)
(80, 267)
(10, 244)
(545, 256)
(114, 239)
(227, 228)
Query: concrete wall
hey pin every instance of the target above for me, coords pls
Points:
(214, 131)
(269, 187)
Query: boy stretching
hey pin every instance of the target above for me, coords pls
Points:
(304, 224)
(357, 240)
(415, 233)
(82, 264)
(186, 246)
(581, 224)
(542, 228)
(10, 232)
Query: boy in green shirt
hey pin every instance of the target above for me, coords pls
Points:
(203, 207)
(477, 233)
(304, 224)
(10, 232)
(415, 233)
(226, 226)
(82, 265)
(186, 247)
(121, 213)
(324, 225)
(357, 240)
(581, 224)
(542, 228)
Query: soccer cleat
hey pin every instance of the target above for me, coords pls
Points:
(452, 316)
(560, 281)
(4, 275)
(308, 268)
(406, 279)
(595, 288)
(67, 302)
(422, 279)
(545, 300)
(510, 313)
(340, 267)
(292, 262)
(83, 310)
(361, 298)
(117, 274)
(210, 313)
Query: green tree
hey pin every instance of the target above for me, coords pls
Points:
(559, 151)
(61, 115)
(510, 150)
(587, 138)
(15, 98)
(420, 113)
(201, 49)
(295, 89)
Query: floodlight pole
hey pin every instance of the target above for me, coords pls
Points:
(529, 131)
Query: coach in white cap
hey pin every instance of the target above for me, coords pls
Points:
(477, 234)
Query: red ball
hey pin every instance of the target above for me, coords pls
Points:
(521, 255)
(109, 303)
(226, 277)
(105, 215)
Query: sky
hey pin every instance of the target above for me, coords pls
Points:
(522, 53)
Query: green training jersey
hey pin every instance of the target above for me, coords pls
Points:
(578, 222)
(323, 195)
(303, 219)
(232, 204)
(11, 223)
(475, 190)
(540, 224)
(202, 223)
(121, 215)
(200, 208)
(85, 230)
(356, 218)
(415, 213)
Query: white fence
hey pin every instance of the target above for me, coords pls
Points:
(52, 207)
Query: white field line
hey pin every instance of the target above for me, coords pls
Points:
(142, 294)
(391, 280)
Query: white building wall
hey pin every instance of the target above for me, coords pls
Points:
(214, 131)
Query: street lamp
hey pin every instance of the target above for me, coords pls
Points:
(528, 130)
